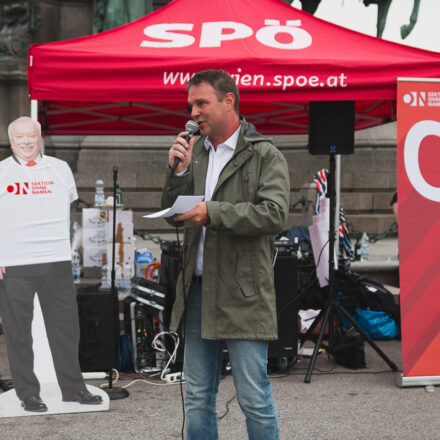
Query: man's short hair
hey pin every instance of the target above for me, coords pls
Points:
(23, 119)
(221, 81)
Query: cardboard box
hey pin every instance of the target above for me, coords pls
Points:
(124, 254)
(92, 257)
(124, 232)
(94, 218)
(94, 238)
(122, 216)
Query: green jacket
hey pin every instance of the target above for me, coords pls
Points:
(249, 206)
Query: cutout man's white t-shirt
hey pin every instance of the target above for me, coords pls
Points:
(35, 211)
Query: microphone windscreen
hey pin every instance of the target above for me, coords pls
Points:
(191, 127)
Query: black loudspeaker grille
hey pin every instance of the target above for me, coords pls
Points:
(286, 289)
(98, 337)
(169, 272)
(331, 127)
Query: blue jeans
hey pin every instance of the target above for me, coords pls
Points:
(202, 370)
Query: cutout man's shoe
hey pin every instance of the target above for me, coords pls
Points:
(33, 404)
(83, 397)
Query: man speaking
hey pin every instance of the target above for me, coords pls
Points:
(225, 292)
(35, 196)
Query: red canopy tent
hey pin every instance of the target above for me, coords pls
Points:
(130, 80)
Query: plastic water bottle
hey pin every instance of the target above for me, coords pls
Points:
(76, 266)
(118, 275)
(99, 193)
(126, 275)
(105, 276)
(142, 258)
(364, 247)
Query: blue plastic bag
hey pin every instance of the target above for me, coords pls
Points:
(376, 324)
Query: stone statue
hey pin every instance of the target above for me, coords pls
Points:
(406, 29)
(310, 5)
(383, 7)
(382, 11)
(108, 14)
(18, 22)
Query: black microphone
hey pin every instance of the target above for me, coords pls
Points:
(192, 128)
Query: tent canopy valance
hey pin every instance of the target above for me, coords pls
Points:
(131, 80)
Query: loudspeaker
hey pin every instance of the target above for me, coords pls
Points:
(286, 289)
(169, 272)
(170, 261)
(331, 127)
(98, 345)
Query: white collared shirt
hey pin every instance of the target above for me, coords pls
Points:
(217, 161)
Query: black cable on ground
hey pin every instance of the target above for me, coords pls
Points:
(227, 407)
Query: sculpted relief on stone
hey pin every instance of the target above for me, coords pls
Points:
(108, 14)
(18, 22)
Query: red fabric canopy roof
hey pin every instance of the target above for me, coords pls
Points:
(131, 80)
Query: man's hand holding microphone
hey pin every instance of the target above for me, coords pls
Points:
(179, 156)
(179, 159)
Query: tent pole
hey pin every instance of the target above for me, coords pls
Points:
(34, 117)
(34, 109)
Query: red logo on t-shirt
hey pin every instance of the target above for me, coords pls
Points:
(18, 188)
(34, 188)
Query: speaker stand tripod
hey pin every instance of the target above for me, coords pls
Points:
(333, 306)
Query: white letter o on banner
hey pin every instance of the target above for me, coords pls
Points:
(212, 32)
(414, 138)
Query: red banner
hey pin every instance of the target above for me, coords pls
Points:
(418, 186)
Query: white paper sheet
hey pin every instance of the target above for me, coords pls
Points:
(181, 205)
(319, 238)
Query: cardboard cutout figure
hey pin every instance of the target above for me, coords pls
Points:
(35, 196)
